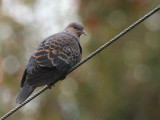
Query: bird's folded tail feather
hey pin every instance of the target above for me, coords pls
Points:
(24, 93)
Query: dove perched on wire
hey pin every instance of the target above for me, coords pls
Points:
(51, 60)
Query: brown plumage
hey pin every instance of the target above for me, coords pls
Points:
(52, 59)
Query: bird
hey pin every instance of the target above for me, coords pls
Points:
(51, 60)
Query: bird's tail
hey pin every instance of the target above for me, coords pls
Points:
(24, 93)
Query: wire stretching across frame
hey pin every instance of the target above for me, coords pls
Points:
(86, 59)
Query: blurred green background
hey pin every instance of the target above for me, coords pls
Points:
(120, 83)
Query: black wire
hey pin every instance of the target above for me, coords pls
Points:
(86, 59)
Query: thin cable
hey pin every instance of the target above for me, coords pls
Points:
(86, 59)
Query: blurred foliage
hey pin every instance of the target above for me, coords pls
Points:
(126, 75)
(120, 83)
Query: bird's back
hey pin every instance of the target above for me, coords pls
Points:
(52, 59)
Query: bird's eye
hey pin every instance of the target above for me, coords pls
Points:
(75, 27)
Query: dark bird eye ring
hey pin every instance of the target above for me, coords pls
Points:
(75, 27)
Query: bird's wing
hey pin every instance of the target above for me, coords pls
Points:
(53, 58)
(62, 51)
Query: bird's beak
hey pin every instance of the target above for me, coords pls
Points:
(84, 32)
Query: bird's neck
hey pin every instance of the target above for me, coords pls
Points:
(72, 33)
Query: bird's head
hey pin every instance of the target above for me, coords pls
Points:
(76, 29)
